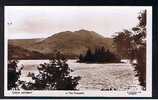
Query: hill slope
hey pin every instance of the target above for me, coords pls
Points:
(16, 52)
(69, 43)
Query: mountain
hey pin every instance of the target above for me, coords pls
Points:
(69, 43)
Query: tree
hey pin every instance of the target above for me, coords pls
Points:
(53, 76)
(13, 74)
(123, 42)
(96, 54)
(88, 56)
(81, 57)
(139, 46)
(133, 44)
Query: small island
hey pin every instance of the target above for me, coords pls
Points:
(100, 55)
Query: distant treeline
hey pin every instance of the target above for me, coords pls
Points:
(100, 55)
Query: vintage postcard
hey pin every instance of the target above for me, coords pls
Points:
(78, 51)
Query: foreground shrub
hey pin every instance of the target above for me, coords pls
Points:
(52, 76)
(13, 74)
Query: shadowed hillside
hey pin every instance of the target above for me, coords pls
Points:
(24, 42)
(16, 52)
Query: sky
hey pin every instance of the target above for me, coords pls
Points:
(26, 22)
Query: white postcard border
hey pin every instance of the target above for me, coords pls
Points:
(57, 93)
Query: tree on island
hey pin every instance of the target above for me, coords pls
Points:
(100, 55)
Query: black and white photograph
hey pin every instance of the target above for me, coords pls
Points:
(99, 51)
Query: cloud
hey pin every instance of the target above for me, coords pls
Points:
(49, 20)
